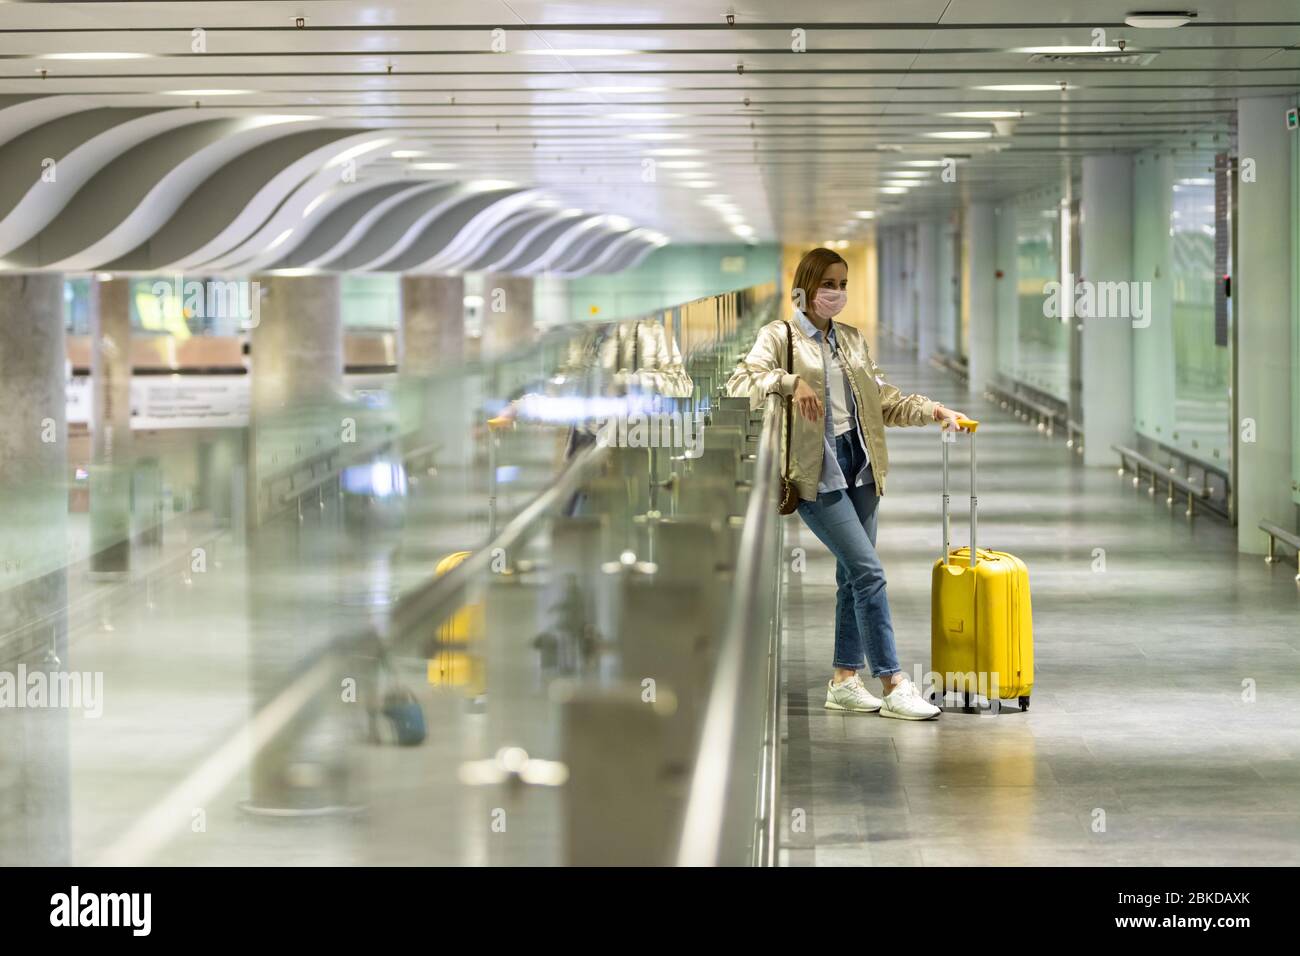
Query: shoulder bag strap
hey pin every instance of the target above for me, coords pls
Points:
(789, 402)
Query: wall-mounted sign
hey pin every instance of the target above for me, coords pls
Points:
(197, 401)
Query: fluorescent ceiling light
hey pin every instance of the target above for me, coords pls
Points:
(922, 162)
(960, 134)
(675, 151)
(206, 92)
(1067, 49)
(696, 184)
(620, 90)
(908, 174)
(1027, 87)
(865, 214)
(408, 153)
(644, 117)
(1158, 21)
(987, 114)
(95, 56)
(892, 190)
(574, 51)
(433, 167)
(898, 183)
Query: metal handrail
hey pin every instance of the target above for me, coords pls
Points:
(712, 779)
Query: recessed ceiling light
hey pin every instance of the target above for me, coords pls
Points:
(987, 114)
(573, 51)
(206, 92)
(960, 134)
(95, 56)
(1028, 87)
(1158, 21)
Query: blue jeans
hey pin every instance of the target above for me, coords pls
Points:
(845, 521)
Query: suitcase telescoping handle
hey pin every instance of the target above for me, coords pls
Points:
(967, 424)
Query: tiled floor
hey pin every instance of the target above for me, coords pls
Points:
(1140, 746)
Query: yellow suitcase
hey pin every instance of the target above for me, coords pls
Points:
(981, 625)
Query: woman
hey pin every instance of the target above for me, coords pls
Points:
(838, 463)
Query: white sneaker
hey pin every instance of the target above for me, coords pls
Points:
(850, 694)
(906, 703)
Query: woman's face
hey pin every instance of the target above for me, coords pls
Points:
(836, 277)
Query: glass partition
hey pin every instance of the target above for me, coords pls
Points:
(1181, 369)
(1042, 347)
(325, 713)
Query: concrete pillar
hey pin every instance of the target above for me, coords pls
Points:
(980, 242)
(432, 331)
(947, 335)
(1106, 228)
(927, 288)
(110, 427)
(33, 455)
(297, 582)
(297, 344)
(1262, 290)
(507, 313)
(34, 788)
(1007, 294)
(883, 286)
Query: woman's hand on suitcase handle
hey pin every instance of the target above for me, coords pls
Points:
(808, 402)
(949, 420)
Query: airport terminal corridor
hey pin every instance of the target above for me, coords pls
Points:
(510, 435)
(1143, 660)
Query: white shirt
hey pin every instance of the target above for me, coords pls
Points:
(836, 388)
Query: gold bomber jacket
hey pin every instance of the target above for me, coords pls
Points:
(763, 372)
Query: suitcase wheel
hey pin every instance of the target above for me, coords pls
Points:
(1024, 703)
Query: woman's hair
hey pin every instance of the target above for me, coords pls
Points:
(809, 272)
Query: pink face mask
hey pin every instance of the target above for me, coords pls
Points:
(829, 303)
